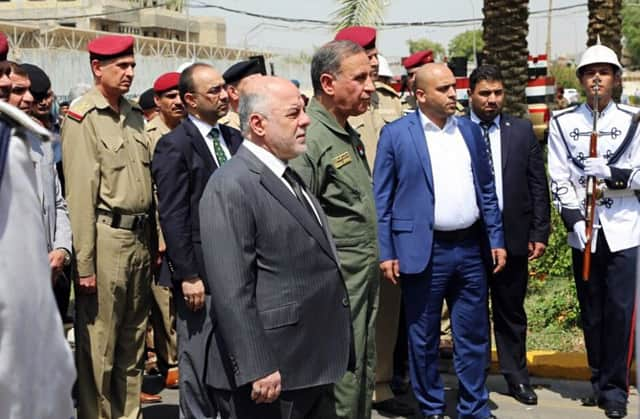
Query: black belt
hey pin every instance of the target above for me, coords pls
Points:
(124, 221)
(470, 232)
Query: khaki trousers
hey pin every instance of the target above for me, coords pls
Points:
(111, 325)
(386, 335)
(163, 322)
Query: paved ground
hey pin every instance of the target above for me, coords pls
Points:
(558, 399)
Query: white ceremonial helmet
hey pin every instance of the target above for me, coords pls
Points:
(383, 67)
(598, 54)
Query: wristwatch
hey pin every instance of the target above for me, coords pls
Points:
(67, 256)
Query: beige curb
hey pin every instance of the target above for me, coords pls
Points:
(554, 364)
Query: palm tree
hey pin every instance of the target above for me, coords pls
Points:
(605, 20)
(505, 45)
(358, 12)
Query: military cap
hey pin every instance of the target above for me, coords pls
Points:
(110, 46)
(40, 82)
(364, 36)
(146, 100)
(4, 47)
(417, 59)
(167, 81)
(240, 70)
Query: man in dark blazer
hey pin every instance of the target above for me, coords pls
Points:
(523, 197)
(183, 161)
(279, 301)
(440, 230)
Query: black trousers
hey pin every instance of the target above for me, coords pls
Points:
(508, 290)
(607, 302)
(309, 403)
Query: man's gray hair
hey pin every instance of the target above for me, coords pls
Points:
(328, 60)
(250, 103)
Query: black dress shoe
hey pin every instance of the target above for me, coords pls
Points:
(615, 412)
(589, 401)
(523, 393)
(394, 407)
(435, 417)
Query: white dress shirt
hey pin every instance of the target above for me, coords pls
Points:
(496, 154)
(278, 167)
(455, 195)
(204, 129)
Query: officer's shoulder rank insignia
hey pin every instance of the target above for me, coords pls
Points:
(79, 110)
(341, 159)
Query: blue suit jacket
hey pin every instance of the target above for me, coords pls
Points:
(403, 188)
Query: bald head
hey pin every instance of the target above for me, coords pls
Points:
(272, 116)
(435, 91)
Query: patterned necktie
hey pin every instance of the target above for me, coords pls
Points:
(486, 126)
(292, 179)
(214, 134)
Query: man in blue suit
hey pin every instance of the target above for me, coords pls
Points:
(440, 233)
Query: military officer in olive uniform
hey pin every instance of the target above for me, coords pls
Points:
(106, 161)
(385, 106)
(165, 340)
(607, 299)
(335, 169)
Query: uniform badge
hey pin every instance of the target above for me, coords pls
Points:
(360, 149)
(75, 116)
(341, 159)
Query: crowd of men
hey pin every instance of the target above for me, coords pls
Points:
(279, 247)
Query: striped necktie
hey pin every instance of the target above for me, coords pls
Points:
(486, 127)
(214, 134)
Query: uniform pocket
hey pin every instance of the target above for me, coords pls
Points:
(280, 316)
(113, 156)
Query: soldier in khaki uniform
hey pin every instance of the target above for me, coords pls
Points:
(385, 106)
(165, 340)
(106, 161)
(412, 64)
(336, 171)
(233, 77)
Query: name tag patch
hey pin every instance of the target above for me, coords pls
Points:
(341, 159)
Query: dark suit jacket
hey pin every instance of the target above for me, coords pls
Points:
(181, 167)
(404, 193)
(275, 282)
(526, 208)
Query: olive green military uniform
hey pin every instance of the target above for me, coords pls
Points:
(106, 162)
(165, 339)
(385, 107)
(336, 171)
(231, 119)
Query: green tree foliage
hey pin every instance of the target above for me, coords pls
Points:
(565, 75)
(462, 44)
(422, 44)
(358, 12)
(631, 30)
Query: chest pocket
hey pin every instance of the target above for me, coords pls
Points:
(113, 154)
(339, 184)
(143, 153)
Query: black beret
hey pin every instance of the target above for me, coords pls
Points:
(242, 69)
(40, 82)
(146, 100)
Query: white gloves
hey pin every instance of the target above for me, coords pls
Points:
(597, 166)
(580, 229)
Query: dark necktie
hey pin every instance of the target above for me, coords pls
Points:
(294, 180)
(486, 126)
(214, 134)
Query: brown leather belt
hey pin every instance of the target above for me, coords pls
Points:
(470, 232)
(131, 222)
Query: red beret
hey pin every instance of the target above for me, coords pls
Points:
(110, 46)
(417, 59)
(4, 47)
(167, 81)
(364, 36)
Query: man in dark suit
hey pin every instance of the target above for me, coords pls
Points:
(279, 301)
(183, 161)
(439, 240)
(523, 197)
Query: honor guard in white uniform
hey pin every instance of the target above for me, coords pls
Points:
(607, 298)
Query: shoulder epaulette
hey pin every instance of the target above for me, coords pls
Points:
(565, 111)
(79, 109)
(631, 110)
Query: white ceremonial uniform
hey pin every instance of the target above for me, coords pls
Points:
(35, 359)
(618, 210)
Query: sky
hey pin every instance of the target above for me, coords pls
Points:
(568, 27)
